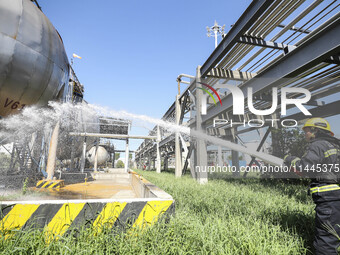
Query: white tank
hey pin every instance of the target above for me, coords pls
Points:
(102, 157)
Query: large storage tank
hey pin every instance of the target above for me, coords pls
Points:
(33, 64)
(102, 155)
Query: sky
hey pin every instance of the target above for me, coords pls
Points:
(132, 51)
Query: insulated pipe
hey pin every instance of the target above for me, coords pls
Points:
(179, 80)
(52, 153)
(285, 29)
(304, 38)
(249, 47)
(319, 28)
(273, 26)
(232, 62)
(276, 18)
(185, 75)
(113, 136)
(269, 15)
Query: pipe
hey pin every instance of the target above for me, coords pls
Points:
(113, 136)
(334, 18)
(179, 80)
(52, 153)
(185, 75)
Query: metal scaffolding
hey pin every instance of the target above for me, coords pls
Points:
(278, 43)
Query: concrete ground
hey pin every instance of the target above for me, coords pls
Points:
(113, 183)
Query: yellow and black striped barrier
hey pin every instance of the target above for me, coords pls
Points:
(50, 184)
(57, 217)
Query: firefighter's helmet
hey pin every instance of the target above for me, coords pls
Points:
(318, 123)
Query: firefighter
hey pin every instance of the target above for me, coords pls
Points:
(321, 164)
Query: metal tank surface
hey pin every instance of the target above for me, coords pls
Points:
(33, 63)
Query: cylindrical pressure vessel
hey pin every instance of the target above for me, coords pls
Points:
(34, 67)
(102, 155)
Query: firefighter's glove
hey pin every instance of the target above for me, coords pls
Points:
(288, 160)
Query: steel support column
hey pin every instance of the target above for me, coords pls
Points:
(158, 158)
(52, 153)
(201, 146)
(178, 152)
(219, 156)
(165, 163)
(235, 155)
(126, 167)
(72, 155)
(149, 161)
(95, 166)
(83, 157)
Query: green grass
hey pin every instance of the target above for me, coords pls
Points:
(222, 217)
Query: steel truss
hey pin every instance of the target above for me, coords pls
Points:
(259, 52)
